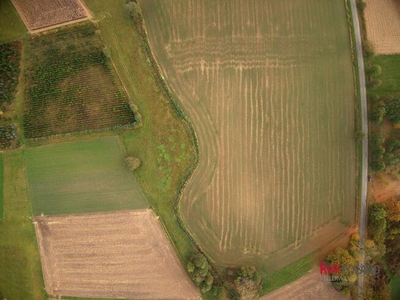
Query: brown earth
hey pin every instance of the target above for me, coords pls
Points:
(44, 14)
(308, 287)
(383, 25)
(385, 185)
(119, 254)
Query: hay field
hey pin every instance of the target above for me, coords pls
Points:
(41, 14)
(119, 254)
(269, 88)
(81, 177)
(383, 25)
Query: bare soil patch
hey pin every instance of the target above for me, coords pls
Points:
(308, 287)
(120, 254)
(42, 14)
(385, 185)
(383, 25)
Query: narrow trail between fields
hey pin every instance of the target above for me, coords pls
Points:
(364, 122)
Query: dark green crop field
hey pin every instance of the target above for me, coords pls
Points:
(71, 85)
(81, 177)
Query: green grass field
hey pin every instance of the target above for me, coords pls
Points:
(270, 90)
(11, 25)
(81, 177)
(1, 185)
(20, 269)
(163, 143)
(395, 287)
(390, 74)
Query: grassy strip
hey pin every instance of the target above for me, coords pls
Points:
(288, 274)
(164, 143)
(20, 272)
(11, 25)
(357, 99)
(1, 185)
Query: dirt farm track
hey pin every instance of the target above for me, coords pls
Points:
(119, 254)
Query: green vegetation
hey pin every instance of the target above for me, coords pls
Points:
(71, 85)
(8, 137)
(199, 270)
(390, 65)
(395, 287)
(287, 274)
(10, 56)
(20, 271)
(11, 25)
(164, 143)
(1, 185)
(81, 177)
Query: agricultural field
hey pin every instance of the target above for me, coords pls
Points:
(20, 271)
(81, 177)
(10, 56)
(167, 151)
(308, 287)
(119, 254)
(40, 14)
(11, 25)
(71, 85)
(269, 88)
(383, 25)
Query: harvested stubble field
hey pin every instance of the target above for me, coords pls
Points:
(120, 254)
(308, 287)
(383, 25)
(269, 88)
(80, 177)
(39, 14)
(71, 85)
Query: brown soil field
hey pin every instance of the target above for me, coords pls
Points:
(383, 25)
(308, 287)
(385, 185)
(119, 254)
(44, 14)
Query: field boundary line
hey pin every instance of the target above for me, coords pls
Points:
(364, 123)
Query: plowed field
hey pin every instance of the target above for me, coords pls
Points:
(269, 88)
(39, 14)
(110, 255)
(383, 25)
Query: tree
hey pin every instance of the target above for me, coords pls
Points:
(374, 71)
(393, 111)
(377, 114)
(393, 210)
(346, 277)
(199, 270)
(132, 162)
(133, 10)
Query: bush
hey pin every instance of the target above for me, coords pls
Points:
(373, 98)
(199, 271)
(377, 114)
(393, 111)
(132, 162)
(374, 71)
(374, 83)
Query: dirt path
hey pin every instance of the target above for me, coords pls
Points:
(364, 120)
